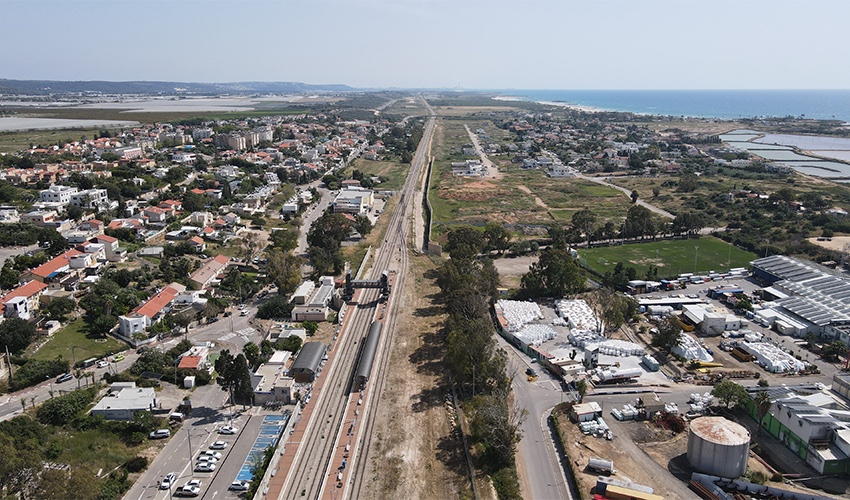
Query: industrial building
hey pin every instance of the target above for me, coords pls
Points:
(718, 447)
(316, 307)
(353, 200)
(809, 298)
(810, 422)
(123, 400)
(306, 365)
(271, 382)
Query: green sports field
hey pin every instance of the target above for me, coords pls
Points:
(671, 257)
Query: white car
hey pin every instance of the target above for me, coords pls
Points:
(102, 363)
(239, 486)
(206, 459)
(160, 433)
(190, 489)
(228, 429)
(214, 454)
(204, 467)
(167, 481)
(218, 445)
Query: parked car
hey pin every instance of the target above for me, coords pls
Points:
(228, 429)
(218, 445)
(167, 481)
(243, 313)
(205, 459)
(118, 357)
(102, 363)
(64, 378)
(214, 454)
(239, 486)
(213, 320)
(204, 467)
(160, 433)
(190, 489)
(228, 314)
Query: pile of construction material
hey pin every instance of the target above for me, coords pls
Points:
(579, 315)
(559, 322)
(611, 347)
(699, 402)
(753, 337)
(596, 427)
(628, 412)
(772, 358)
(518, 313)
(535, 334)
(690, 349)
(671, 408)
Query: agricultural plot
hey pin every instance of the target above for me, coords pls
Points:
(671, 257)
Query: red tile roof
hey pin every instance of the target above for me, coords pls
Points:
(53, 265)
(156, 303)
(106, 238)
(28, 289)
(191, 362)
(196, 240)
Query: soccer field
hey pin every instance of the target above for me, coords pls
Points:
(671, 257)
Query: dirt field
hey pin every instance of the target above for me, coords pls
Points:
(415, 453)
(835, 243)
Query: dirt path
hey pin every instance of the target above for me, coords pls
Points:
(492, 170)
(627, 192)
(537, 200)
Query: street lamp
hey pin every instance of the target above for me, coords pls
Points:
(696, 256)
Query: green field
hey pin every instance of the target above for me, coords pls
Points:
(674, 257)
(74, 337)
(395, 172)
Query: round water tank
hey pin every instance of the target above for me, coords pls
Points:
(718, 447)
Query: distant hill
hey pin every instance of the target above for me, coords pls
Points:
(47, 87)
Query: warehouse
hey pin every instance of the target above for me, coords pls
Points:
(817, 299)
(306, 365)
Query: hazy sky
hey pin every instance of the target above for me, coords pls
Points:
(486, 44)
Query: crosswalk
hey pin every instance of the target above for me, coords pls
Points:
(245, 333)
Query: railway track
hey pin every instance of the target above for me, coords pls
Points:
(311, 469)
(360, 456)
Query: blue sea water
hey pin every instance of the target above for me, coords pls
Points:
(726, 104)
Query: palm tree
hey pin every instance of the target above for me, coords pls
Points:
(763, 403)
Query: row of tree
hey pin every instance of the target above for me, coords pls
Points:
(476, 364)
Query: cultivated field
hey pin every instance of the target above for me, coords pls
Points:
(671, 257)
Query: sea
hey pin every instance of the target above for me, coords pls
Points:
(723, 104)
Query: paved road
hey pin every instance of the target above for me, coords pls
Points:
(543, 476)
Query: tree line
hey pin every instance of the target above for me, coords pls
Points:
(477, 366)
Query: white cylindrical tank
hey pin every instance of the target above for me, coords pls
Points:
(718, 447)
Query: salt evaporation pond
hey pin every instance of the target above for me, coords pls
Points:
(807, 142)
(8, 124)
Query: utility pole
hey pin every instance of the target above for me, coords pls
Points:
(696, 256)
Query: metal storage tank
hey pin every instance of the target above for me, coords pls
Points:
(718, 447)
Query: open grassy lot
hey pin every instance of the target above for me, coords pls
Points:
(395, 172)
(518, 197)
(75, 336)
(674, 201)
(674, 257)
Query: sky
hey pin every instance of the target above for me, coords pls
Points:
(463, 44)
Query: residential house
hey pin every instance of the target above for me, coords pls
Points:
(207, 273)
(154, 215)
(113, 252)
(23, 300)
(53, 268)
(57, 194)
(149, 312)
(197, 243)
